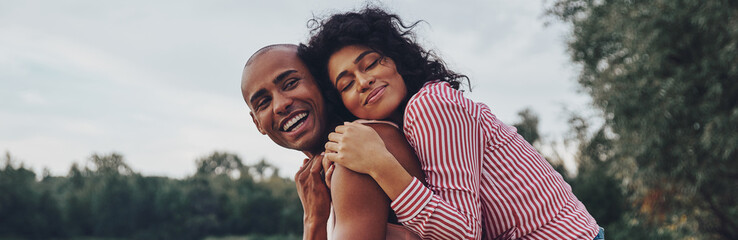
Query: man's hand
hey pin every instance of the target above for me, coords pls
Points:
(315, 198)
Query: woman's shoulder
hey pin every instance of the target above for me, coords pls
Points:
(435, 94)
(437, 90)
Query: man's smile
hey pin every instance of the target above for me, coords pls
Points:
(294, 122)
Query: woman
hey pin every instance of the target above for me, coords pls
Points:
(483, 179)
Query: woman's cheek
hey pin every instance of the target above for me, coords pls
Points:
(351, 102)
(354, 105)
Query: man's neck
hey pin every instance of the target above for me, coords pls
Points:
(334, 121)
(311, 154)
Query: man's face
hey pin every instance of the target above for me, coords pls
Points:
(285, 101)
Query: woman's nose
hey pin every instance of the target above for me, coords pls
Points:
(365, 81)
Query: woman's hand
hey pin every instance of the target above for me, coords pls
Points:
(357, 147)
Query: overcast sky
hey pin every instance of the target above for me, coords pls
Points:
(158, 81)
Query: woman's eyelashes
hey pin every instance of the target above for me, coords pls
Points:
(347, 86)
(371, 65)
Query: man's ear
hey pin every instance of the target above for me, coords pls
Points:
(258, 126)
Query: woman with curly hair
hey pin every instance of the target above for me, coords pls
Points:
(483, 179)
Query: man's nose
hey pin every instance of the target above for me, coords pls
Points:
(282, 104)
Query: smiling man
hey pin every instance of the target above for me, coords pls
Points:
(287, 106)
(285, 101)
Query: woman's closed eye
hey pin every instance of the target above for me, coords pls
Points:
(372, 64)
(348, 85)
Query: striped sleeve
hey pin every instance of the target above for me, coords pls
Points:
(449, 144)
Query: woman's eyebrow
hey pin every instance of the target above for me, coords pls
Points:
(358, 58)
(362, 55)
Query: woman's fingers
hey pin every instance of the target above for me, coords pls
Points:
(335, 137)
(330, 156)
(331, 147)
(341, 128)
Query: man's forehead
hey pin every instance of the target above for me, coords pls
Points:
(266, 67)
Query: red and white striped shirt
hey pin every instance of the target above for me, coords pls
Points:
(483, 178)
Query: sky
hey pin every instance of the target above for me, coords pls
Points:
(159, 81)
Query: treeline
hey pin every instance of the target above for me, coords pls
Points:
(663, 77)
(109, 200)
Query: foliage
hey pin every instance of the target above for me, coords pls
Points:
(528, 125)
(112, 201)
(664, 74)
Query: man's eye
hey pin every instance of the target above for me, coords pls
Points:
(262, 104)
(348, 86)
(291, 83)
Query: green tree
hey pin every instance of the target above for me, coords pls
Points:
(112, 196)
(664, 73)
(112, 164)
(528, 125)
(18, 200)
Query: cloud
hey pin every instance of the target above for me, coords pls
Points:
(32, 97)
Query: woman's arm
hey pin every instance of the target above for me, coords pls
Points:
(449, 141)
(360, 205)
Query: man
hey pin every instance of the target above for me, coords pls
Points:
(287, 105)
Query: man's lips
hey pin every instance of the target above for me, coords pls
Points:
(294, 121)
(375, 94)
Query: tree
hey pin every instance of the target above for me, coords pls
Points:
(665, 77)
(219, 163)
(528, 125)
(112, 164)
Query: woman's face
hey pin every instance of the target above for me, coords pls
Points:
(369, 84)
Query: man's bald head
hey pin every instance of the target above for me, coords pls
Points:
(285, 101)
(268, 48)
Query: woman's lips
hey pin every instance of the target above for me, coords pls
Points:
(375, 95)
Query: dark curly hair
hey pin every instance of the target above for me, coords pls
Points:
(382, 32)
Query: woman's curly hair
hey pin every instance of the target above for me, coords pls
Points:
(381, 31)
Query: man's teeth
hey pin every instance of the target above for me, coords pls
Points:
(294, 120)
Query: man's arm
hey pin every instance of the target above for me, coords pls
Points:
(361, 207)
(315, 199)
